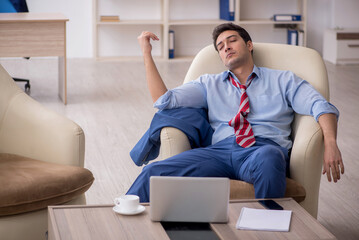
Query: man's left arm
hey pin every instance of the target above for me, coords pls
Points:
(298, 90)
(333, 164)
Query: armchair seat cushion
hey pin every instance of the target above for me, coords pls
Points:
(28, 185)
(243, 190)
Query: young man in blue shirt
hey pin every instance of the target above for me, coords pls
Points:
(273, 95)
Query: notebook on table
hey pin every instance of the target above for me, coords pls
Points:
(189, 199)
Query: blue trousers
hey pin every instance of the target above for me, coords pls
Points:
(263, 165)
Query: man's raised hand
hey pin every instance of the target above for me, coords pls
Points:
(144, 41)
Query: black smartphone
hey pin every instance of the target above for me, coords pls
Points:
(270, 204)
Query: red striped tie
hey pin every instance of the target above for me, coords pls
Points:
(242, 128)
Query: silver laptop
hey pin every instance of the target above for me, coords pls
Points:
(189, 199)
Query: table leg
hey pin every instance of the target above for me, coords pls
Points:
(62, 79)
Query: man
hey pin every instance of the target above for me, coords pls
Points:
(250, 109)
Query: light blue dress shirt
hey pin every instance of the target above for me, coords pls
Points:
(274, 96)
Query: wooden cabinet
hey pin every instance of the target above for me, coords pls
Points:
(191, 20)
(341, 46)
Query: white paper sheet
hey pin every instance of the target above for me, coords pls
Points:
(263, 219)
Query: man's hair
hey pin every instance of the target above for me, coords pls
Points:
(229, 26)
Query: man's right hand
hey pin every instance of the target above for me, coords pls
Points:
(144, 41)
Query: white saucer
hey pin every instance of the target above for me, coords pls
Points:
(139, 210)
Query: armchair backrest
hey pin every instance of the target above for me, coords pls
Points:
(307, 150)
(9, 88)
(304, 62)
(29, 129)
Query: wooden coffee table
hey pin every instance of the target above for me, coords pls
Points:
(101, 222)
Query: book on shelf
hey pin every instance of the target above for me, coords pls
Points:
(292, 37)
(171, 45)
(226, 10)
(287, 17)
(109, 18)
(300, 38)
(295, 37)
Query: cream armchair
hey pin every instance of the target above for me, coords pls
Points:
(41, 163)
(307, 152)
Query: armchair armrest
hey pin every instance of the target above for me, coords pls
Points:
(306, 159)
(29, 129)
(173, 142)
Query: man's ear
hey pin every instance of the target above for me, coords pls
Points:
(250, 45)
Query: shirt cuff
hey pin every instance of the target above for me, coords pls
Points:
(324, 107)
(163, 101)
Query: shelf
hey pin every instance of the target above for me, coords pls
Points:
(196, 22)
(192, 25)
(268, 21)
(132, 22)
(127, 58)
(140, 59)
(110, 59)
(182, 58)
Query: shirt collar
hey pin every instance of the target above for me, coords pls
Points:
(226, 74)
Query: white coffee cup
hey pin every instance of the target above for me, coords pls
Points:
(128, 203)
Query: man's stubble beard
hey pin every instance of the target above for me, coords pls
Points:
(234, 63)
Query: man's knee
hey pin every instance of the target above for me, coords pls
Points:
(168, 167)
(271, 172)
(153, 169)
(271, 157)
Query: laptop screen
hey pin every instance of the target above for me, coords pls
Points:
(189, 199)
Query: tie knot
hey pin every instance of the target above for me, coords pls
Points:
(243, 87)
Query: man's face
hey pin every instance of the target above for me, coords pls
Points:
(232, 49)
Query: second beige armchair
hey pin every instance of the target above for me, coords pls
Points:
(41, 163)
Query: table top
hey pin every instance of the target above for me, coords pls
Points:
(302, 225)
(101, 222)
(32, 17)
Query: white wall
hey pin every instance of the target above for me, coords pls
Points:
(345, 14)
(79, 26)
(318, 19)
(322, 14)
